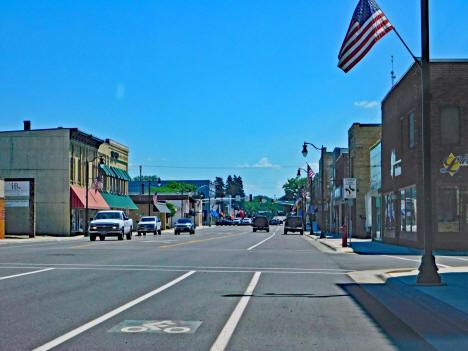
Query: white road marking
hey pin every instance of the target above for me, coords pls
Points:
(181, 267)
(223, 338)
(93, 323)
(261, 242)
(409, 259)
(27, 273)
(456, 258)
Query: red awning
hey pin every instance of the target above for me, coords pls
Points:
(95, 199)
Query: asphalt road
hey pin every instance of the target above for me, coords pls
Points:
(224, 288)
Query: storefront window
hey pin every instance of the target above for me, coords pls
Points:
(448, 210)
(408, 210)
(389, 208)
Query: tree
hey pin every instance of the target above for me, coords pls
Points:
(219, 187)
(174, 187)
(293, 185)
(171, 208)
(229, 187)
(146, 177)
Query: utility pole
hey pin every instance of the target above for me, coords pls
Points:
(322, 151)
(140, 172)
(427, 269)
(149, 197)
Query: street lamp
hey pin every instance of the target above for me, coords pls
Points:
(208, 214)
(322, 152)
(149, 194)
(101, 161)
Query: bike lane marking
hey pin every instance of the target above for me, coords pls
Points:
(61, 339)
(27, 273)
(223, 338)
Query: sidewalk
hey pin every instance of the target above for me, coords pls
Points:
(369, 247)
(413, 315)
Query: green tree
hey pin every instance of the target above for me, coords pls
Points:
(174, 187)
(146, 177)
(219, 187)
(293, 185)
(171, 208)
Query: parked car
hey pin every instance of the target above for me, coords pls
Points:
(149, 224)
(224, 222)
(247, 221)
(237, 221)
(184, 225)
(260, 223)
(293, 224)
(274, 221)
(110, 223)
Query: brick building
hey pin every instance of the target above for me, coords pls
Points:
(360, 138)
(402, 187)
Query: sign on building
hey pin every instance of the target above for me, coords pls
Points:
(349, 188)
(17, 188)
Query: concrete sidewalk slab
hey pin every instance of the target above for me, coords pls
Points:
(438, 314)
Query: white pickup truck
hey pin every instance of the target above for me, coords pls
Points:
(110, 223)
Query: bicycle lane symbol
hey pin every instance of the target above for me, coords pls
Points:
(162, 326)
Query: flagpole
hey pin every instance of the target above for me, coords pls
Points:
(407, 48)
(428, 274)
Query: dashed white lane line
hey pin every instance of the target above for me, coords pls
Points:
(223, 338)
(409, 259)
(261, 242)
(93, 323)
(27, 273)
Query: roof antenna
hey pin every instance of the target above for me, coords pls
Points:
(392, 73)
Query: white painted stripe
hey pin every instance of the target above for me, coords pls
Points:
(409, 259)
(223, 338)
(93, 323)
(261, 242)
(27, 273)
(456, 258)
(34, 265)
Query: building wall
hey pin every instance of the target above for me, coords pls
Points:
(116, 155)
(44, 156)
(360, 138)
(449, 82)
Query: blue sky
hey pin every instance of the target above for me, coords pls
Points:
(199, 89)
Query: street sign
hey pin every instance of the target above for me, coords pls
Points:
(349, 188)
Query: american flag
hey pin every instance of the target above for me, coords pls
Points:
(310, 175)
(367, 26)
(155, 199)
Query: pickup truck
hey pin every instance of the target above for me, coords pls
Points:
(110, 223)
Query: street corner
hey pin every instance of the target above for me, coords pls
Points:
(336, 245)
(379, 276)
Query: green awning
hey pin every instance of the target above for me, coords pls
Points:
(107, 170)
(126, 175)
(117, 172)
(116, 201)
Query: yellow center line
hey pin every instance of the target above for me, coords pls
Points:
(94, 244)
(199, 241)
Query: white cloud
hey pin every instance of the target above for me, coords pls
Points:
(244, 165)
(120, 91)
(366, 104)
(265, 163)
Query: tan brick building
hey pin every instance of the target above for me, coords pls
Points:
(360, 138)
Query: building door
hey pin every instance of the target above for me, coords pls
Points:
(19, 207)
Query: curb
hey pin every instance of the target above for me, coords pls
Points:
(332, 247)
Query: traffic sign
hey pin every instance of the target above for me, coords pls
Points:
(349, 188)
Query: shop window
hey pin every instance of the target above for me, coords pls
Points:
(448, 210)
(72, 169)
(449, 125)
(408, 210)
(411, 131)
(389, 212)
(79, 172)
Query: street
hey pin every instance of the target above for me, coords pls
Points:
(223, 288)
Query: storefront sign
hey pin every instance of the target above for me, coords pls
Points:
(16, 203)
(13, 188)
(452, 164)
